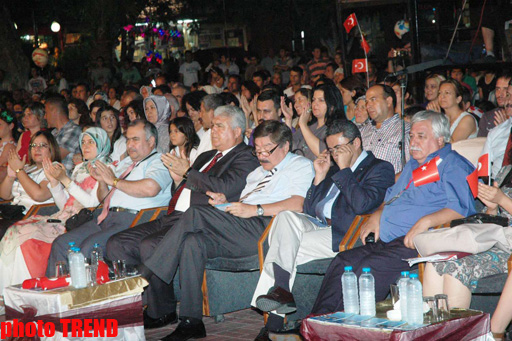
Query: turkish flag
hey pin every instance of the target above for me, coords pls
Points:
(426, 173)
(472, 180)
(350, 22)
(359, 65)
(365, 45)
(483, 165)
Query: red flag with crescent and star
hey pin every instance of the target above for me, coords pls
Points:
(426, 173)
(359, 65)
(483, 165)
(350, 22)
(481, 170)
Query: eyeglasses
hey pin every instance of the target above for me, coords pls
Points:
(39, 145)
(335, 148)
(264, 153)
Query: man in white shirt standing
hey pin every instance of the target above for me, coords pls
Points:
(189, 70)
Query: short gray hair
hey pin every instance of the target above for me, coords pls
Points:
(212, 102)
(149, 129)
(235, 114)
(440, 123)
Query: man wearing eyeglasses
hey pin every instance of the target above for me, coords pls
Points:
(355, 184)
(230, 230)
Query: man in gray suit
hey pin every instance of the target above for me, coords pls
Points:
(223, 170)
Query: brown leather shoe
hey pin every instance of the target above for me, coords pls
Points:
(277, 299)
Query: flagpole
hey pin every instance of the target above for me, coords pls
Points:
(365, 55)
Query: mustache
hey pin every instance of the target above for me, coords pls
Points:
(264, 161)
(415, 149)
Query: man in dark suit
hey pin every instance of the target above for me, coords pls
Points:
(223, 170)
(355, 184)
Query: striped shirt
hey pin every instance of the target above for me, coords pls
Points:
(384, 143)
(317, 67)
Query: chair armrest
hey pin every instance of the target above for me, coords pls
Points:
(261, 241)
(156, 214)
(350, 238)
(35, 209)
(509, 264)
(5, 201)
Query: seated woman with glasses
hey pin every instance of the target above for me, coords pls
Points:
(25, 248)
(326, 106)
(26, 184)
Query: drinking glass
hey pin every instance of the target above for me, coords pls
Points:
(395, 295)
(443, 310)
(119, 268)
(61, 269)
(431, 315)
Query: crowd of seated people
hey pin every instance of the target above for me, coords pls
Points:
(314, 152)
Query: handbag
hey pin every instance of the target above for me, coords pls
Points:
(481, 218)
(469, 238)
(12, 212)
(83, 216)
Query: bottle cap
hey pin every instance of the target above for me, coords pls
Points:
(77, 249)
(348, 268)
(71, 243)
(413, 275)
(96, 244)
(405, 273)
(366, 270)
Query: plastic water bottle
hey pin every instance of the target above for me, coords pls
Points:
(77, 269)
(71, 245)
(414, 301)
(367, 293)
(96, 257)
(402, 290)
(350, 293)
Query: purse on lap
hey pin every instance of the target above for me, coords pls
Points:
(83, 216)
(470, 238)
(12, 212)
(481, 218)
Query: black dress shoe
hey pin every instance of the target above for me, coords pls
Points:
(277, 299)
(187, 330)
(263, 335)
(151, 323)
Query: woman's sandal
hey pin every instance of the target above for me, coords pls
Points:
(498, 336)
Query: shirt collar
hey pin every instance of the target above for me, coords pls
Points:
(440, 152)
(360, 159)
(224, 153)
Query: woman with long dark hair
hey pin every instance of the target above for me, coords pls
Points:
(108, 120)
(326, 106)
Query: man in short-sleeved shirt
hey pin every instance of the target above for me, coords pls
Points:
(384, 136)
(203, 232)
(66, 132)
(139, 181)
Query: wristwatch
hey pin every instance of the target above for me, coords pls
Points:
(185, 176)
(116, 180)
(260, 210)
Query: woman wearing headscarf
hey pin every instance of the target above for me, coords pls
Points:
(26, 246)
(157, 111)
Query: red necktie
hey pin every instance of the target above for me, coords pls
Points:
(506, 157)
(176, 196)
(106, 203)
